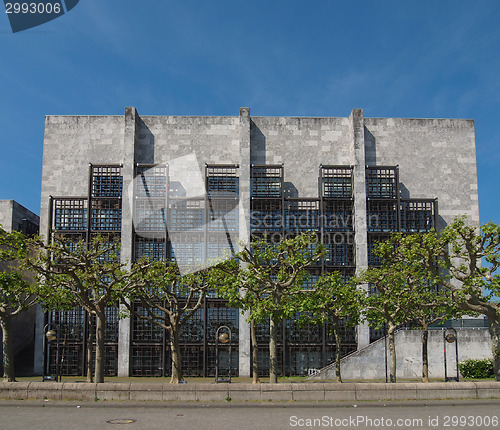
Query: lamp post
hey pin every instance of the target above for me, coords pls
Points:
(222, 335)
(450, 336)
(50, 334)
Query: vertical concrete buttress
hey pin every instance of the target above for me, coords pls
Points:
(360, 226)
(131, 118)
(244, 231)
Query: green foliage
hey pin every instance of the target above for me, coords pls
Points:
(467, 246)
(331, 300)
(16, 292)
(407, 286)
(476, 369)
(159, 286)
(479, 284)
(73, 274)
(270, 275)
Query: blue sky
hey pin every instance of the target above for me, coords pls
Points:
(316, 58)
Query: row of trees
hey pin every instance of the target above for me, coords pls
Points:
(423, 279)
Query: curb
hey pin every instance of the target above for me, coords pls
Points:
(247, 392)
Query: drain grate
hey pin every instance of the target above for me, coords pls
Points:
(121, 421)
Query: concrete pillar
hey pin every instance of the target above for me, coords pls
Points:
(360, 225)
(244, 232)
(40, 314)
(131, 118)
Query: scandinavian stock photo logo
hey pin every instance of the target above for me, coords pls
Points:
(24, 15)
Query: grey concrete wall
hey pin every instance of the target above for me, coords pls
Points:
(6, 210)
(284, 392)
(302, 144)
(368, 363)
(214, 140)
(360, 219)
(12, 215)
(70, 144)
(436, 158)
(126, 239)
(244, 349)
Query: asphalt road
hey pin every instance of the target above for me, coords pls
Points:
(54, 415)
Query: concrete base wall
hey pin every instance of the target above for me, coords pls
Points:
(368, 363)
(248, 392)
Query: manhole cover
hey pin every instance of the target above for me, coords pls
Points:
(121, 421)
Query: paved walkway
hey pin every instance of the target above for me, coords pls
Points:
(50, 415)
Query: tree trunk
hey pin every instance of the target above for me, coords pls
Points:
(338, 352)
(255, 354)
(494, 329)
(8, 354)
(90, 345)
(100, 355)
(392, 349)
(176, 355)
(425, 356)
(273, 351)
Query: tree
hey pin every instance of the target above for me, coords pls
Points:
(268, 278)
(387, 302)
(332, 301)
(73, 274)
(229, 288)
(169, 300)
(464, 246)
(16, 292)
(416, 257)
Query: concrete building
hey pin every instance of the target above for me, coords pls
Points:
(14, 216)
(352, 180)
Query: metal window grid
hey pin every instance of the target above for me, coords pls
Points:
(337, 215)
(150, 248)
(267, 181)
(381, 182)
(106, 181)
(147, 360)
(186, 215)
(150, 215)
(70, 214)
(220, 245)
(297, 333)
(223, 215)
(193, 329)
(417, 216)
(144, 330)
(336, 182)
(301, 215)
(339, 249)
(382, 216)
(266, 215)
(151, 181)
(221, 180)
(187, 249)
(106, 215)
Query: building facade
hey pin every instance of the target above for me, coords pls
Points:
(351, 180)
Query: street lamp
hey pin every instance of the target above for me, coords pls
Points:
(450, 336)
(50, 334)
(222, 335)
